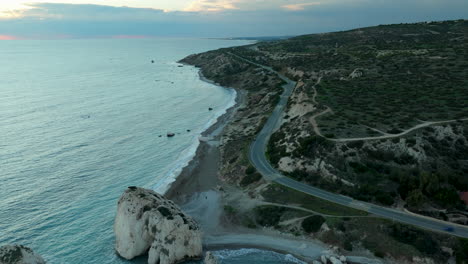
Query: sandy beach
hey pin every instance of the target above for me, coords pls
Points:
(201, 174)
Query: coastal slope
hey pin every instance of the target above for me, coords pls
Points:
(351, 156)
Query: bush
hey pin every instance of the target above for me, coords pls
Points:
(384, 198)
(229, 209)
(347, 245)
(250, 169)
(355, 144)
(313, 223)
(415, 199)
(461, 251)
(268, 215)
(421, 240)
(447, 197)
(312, 145)
(379, 254)
(249, 179)
(249, 223)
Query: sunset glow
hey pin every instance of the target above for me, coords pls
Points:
(8, 37)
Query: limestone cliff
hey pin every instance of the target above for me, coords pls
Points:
(146, 222)
(18, 254)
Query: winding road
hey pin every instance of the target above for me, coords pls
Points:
(257, 156)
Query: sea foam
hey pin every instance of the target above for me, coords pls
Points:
(187, 155)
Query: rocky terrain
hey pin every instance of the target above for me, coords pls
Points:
(18, 254)
(210, 258)
(146, 222)
(354, 125)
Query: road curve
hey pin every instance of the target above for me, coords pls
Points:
(257, 156)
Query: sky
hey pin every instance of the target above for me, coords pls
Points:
(24, 19)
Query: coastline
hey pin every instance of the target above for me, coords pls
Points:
(201, 172)
(200, 177)
(197, 189)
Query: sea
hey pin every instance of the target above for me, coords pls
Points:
(82, 119)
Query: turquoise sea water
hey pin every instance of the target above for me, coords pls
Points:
(80, 120)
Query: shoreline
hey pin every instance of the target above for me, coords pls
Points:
(192, 178)
(201, 176)
(306, 251)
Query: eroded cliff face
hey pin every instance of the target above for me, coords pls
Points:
(146, 222)
(18, 254)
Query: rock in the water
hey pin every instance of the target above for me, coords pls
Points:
(210, 258)
(334, 260)
(323, 258)
(18, 254)
(148, 222)
(210, 108)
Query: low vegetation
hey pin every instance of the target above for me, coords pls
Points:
(378, 81)
(313, 223)
(375, 82)
(279, 194)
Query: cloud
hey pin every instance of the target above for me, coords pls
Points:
(298, 7)
(225, 18)
(86, 12)
(212, 5)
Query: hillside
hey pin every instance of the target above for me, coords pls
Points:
(379, 114)
(348, 132)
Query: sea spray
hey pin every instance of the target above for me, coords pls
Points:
(253, 256)
(189, 153)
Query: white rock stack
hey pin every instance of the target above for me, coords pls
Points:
(148, 222)
(18, 254)
(210, 258)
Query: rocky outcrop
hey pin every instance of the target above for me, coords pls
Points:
(146, 222)
(18, 254)
(210, 258)
(328, 259)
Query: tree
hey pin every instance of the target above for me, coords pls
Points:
(313, 223)
(415, 198)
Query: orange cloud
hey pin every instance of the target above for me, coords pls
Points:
(299, 7)
(8, 37)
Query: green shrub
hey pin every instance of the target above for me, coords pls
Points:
(250, 169)
(421, 240)
(248, 222)
(355, 144)
(268, 215)
(379, 254)
(384, 198)
(249, 179)
(229, 209)
(347, 245)
(313, 223)
(461, 251)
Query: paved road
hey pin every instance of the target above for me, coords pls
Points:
(258, 159)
